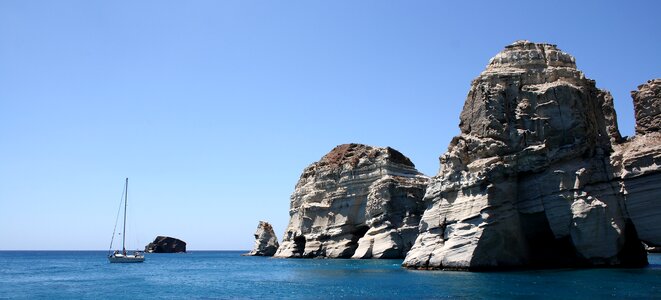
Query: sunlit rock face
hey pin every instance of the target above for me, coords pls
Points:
(266, 242)
(528, 182)
(639, 164)
(357, 201)
(647, 107)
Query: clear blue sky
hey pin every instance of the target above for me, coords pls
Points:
(213, 108)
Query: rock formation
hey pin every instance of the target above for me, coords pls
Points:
(529, 181)
(638, 163)
(266, 243)
(166, 244)
(357, 201)
(647, 107)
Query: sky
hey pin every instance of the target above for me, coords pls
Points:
(212, 109)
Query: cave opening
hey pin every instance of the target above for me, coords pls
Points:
(359, 232)
(299, 242)
(545, 250)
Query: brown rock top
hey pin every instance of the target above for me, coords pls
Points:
(351, 154)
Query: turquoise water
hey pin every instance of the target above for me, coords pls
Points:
(226, 274)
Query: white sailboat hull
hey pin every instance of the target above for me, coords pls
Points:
(120, 258)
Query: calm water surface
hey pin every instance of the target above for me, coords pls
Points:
(226, 274)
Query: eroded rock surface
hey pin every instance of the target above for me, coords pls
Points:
(166, 244)
(266, 242)
(529, 181)
(639, 164)
(647, 106)
(357, 201)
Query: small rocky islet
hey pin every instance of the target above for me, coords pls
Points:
(166, 244)
(266, 242)
(539, 177)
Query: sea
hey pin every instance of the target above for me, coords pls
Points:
(228, 275)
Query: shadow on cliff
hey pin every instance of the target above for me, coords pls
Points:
(539, 248)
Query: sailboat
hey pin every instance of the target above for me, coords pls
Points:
(123, 256)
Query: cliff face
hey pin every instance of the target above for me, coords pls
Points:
(529, 181)
(639, 164)
(357, 201)
(266, 242)
(166, 244)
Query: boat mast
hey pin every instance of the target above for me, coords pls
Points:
(126, 198)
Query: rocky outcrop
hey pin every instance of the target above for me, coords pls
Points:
(266, 243)
(166, 244)
(393, 210)
(529, 181)
(638, 163)
(357, 201)
(647, 107)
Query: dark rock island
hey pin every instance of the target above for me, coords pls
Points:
(166, 244)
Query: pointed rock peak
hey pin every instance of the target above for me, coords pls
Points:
(524, 54)
(265, 225)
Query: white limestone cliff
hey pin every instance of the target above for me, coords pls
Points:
(528, 182)
(639, 162)
(357, 201)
